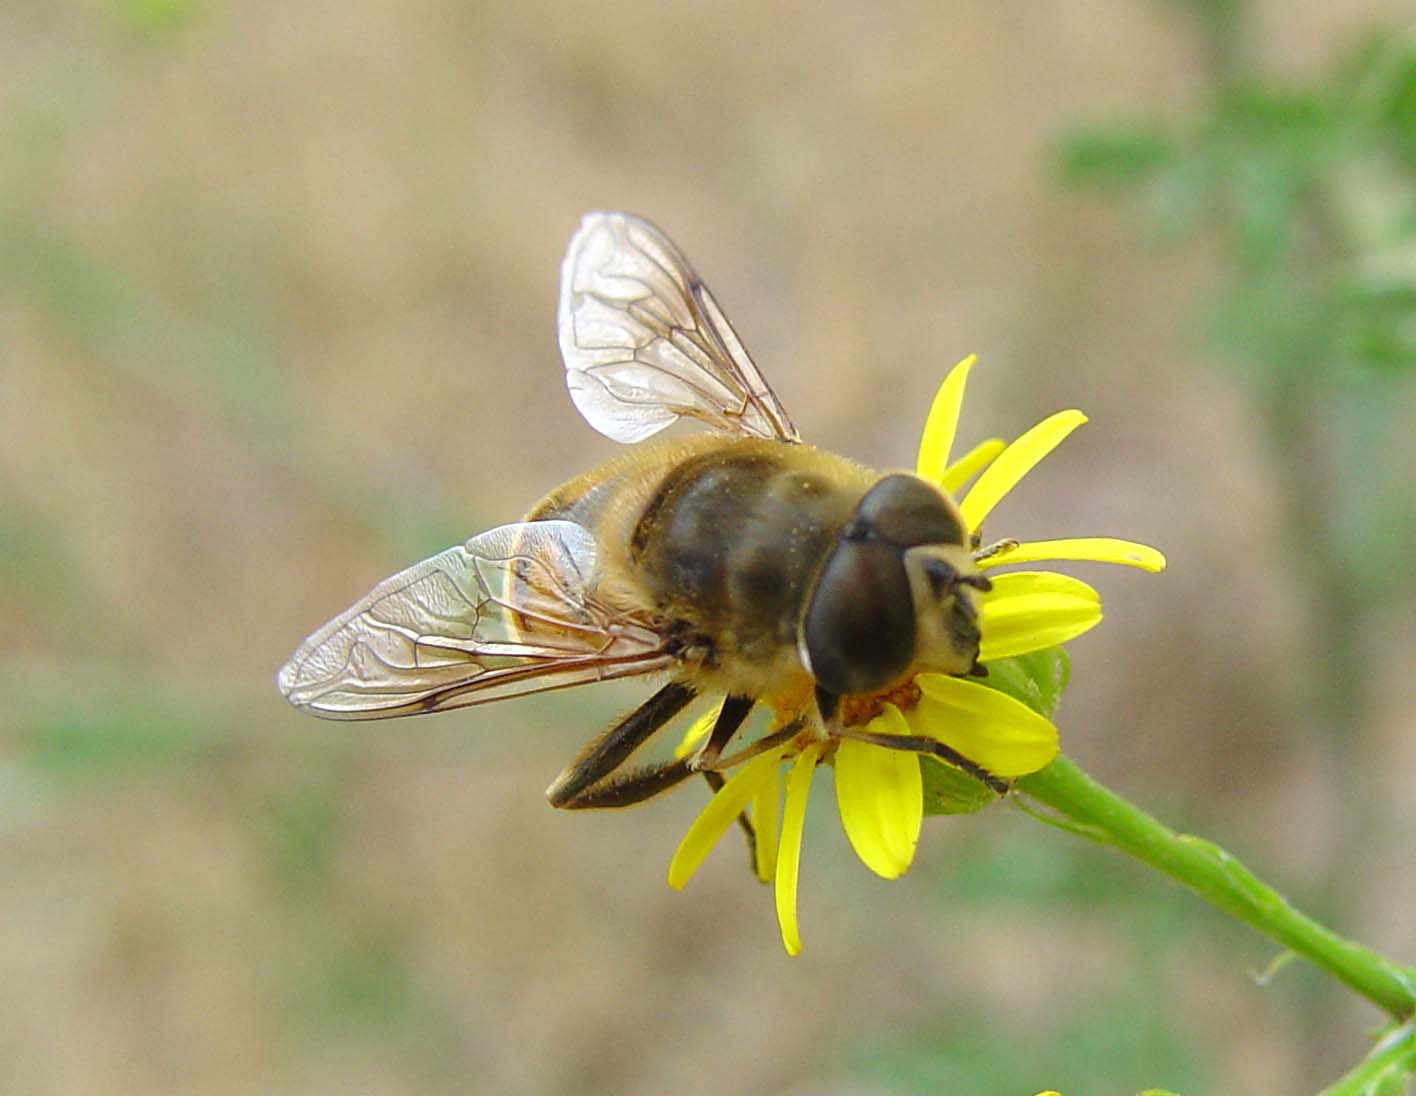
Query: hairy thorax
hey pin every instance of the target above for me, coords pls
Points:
(721, 541)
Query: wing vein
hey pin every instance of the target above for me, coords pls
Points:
(635, 318)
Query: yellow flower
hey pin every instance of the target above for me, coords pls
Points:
(879, 790)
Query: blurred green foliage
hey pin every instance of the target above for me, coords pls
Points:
(1312, 192)
(302, 829)
(110, 739)
(155, 17)
(1111, 1046)
(1308, 193)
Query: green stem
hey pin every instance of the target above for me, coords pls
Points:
(1220, 879)
(1391, 1060)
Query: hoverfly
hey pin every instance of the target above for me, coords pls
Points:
(737, 561)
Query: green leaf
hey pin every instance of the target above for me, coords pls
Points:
(1037, 679)
(949, 791)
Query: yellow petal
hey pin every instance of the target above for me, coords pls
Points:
(1031, 610)
(1015, 462)
(963, 469)
(880, 797)
(789, 851)
(713, 821)
(766, 825)
(1092, 549)
(943, 421)
(1003, 735)
(697, 731)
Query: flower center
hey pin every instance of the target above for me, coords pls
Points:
(856, 710)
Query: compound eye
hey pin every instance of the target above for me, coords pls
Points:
(907, 511)
(859, 631)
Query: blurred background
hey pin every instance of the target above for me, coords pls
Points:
(277, 288)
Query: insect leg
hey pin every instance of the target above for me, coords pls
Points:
(627, 789)
(730, 718)
(997, 548)
(768, 742)
(932, 746)
(608, 752)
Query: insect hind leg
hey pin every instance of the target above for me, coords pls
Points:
(612, 749)
(592, 782)
(627, 789)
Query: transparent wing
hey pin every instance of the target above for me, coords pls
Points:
(512, 611)
(644, 342)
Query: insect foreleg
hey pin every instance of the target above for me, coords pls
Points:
(932, 746)
(997, 548)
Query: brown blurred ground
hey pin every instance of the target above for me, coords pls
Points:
(276, 319)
